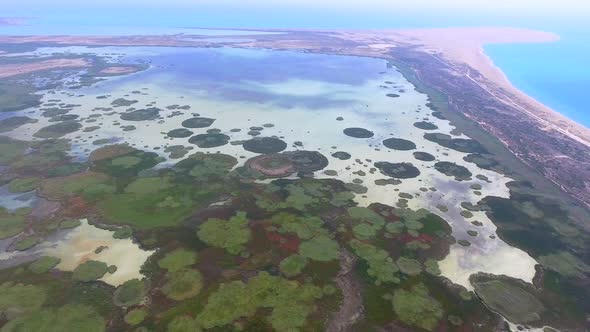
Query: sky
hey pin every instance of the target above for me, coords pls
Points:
(548, 6)
(303, 13)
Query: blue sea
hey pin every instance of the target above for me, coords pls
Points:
(557, 74)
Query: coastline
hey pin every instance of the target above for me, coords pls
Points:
(470, 51)
(575, 130)
(552, 145)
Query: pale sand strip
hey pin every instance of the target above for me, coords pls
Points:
(118, 70)
(26, 68)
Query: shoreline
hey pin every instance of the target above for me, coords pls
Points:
(470, 51)
(555, 104)
(538, 104)
(552, 145)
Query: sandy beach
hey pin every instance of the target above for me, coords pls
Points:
(465, 46)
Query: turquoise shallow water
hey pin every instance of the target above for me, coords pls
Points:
(556, 74)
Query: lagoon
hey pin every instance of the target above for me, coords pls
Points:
(308, 101)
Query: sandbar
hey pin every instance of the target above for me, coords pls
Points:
(118, 70)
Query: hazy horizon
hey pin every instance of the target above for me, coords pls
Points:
(567, 14)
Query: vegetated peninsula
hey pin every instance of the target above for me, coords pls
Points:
(448, 61)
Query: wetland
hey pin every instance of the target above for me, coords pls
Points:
(233, 189)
